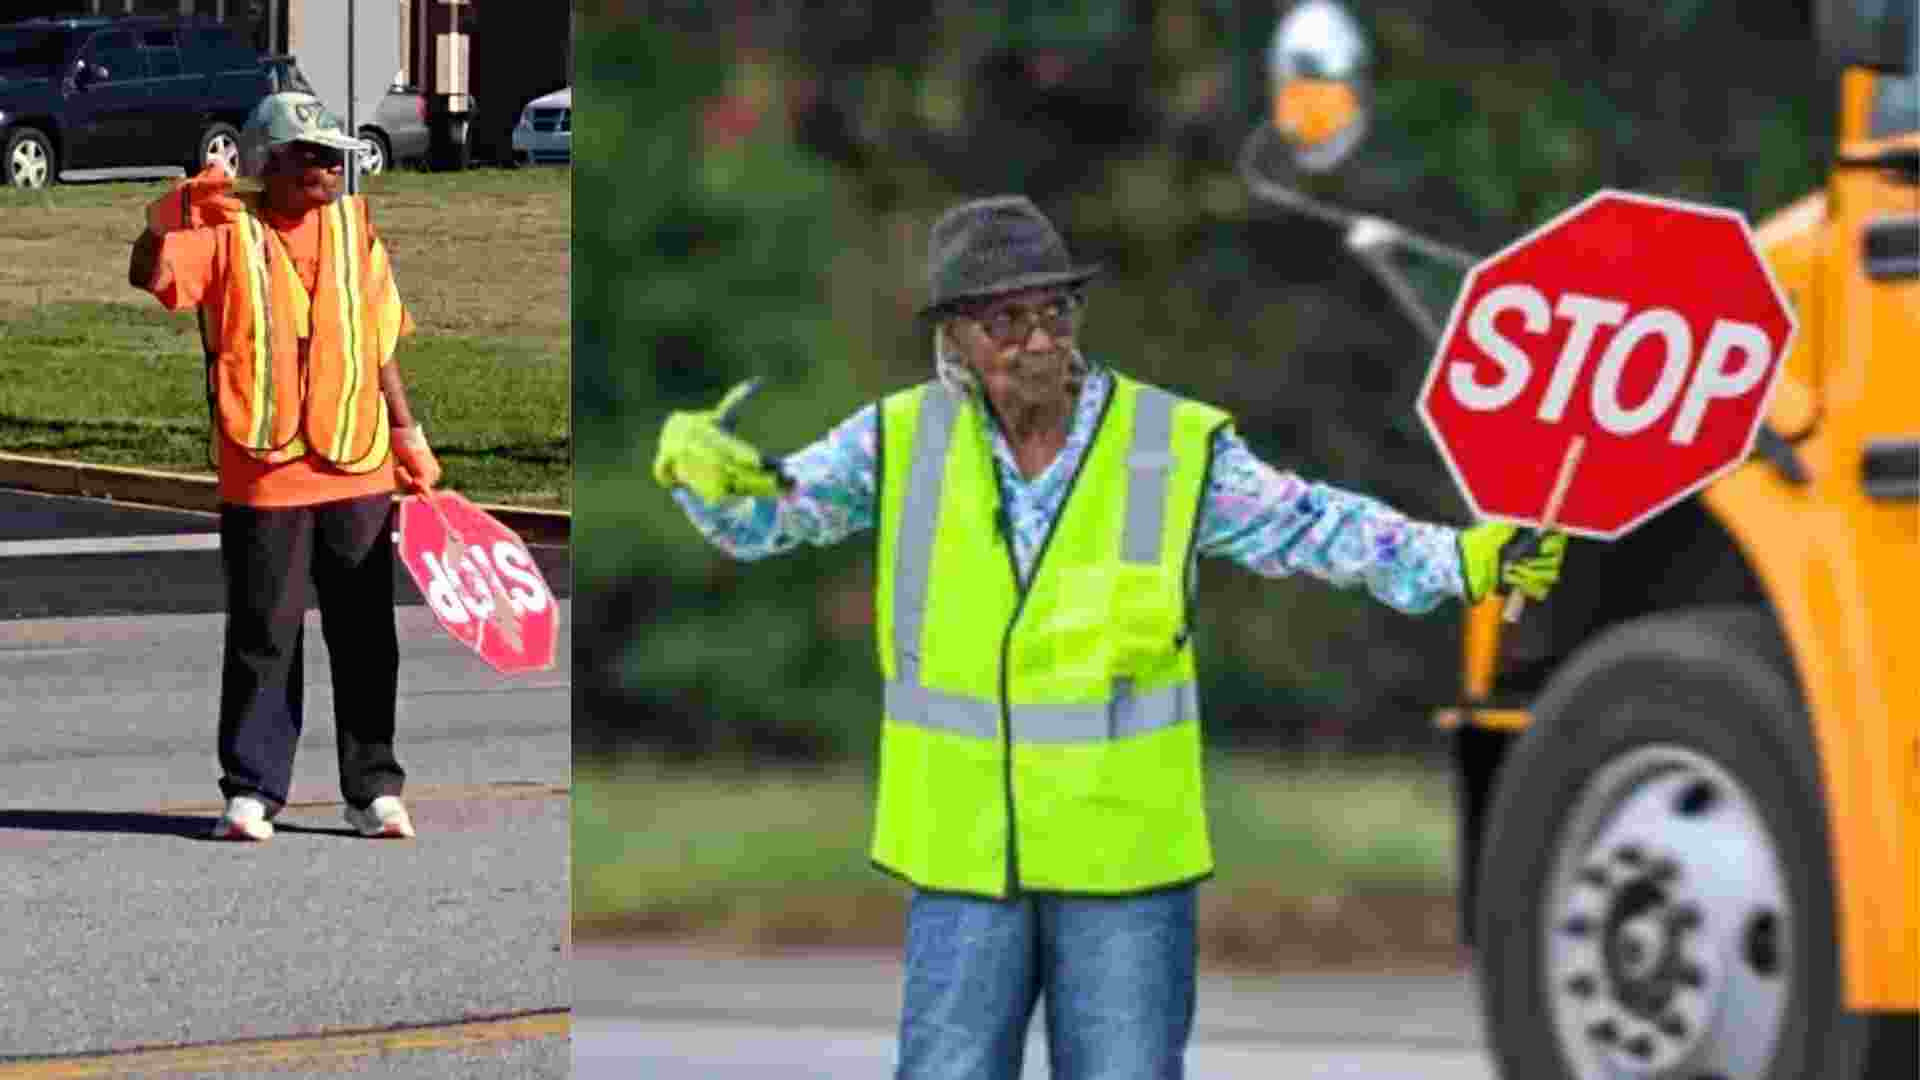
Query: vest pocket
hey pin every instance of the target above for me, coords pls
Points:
(1112, 619)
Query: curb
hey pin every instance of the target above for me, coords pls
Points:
(183, 491)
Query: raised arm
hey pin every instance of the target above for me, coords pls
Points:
(174, 258)
(144, 265)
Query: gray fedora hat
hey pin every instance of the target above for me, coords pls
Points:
(996, 245)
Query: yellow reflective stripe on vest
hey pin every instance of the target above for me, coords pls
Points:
(346, 272)
(1126, 715)
(260, 301)
(1149, 459)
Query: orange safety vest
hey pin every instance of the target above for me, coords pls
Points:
(291, 373)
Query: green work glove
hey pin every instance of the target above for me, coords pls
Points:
(699, 452)
(1495, 552)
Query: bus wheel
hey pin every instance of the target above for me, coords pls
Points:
(1655, 893)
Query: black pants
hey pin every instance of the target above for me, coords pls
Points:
(277, 560)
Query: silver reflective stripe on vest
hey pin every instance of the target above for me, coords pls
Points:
(1127, 714)
(919, 522)
(1149, 464)
(910, 703)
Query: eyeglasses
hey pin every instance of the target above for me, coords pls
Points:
(1012, 324)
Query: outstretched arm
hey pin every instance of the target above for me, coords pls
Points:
(1274, 523)
(831, 497)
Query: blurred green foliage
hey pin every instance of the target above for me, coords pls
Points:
(752, 198)
(722, 843)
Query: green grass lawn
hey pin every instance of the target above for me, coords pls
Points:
(93, 370)
(776, 854)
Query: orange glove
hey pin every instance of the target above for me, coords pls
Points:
(418, 469)
(196, 202)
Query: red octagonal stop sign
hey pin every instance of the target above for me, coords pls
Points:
(480, 580)
(1647, 328)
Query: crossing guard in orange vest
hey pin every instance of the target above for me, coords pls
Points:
(310, 431)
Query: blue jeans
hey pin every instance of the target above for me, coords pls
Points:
(1117, 974)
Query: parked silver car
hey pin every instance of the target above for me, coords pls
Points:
(398, 131)
(545, 130)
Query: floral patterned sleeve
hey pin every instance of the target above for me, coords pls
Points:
(833, 495)
(1275, 523)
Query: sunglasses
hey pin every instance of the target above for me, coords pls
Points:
(309, 154)
(1012, 324)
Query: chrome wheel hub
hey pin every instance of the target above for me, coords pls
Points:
(28, 165)
(1665, 924)
(224, 152)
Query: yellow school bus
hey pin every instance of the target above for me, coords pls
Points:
(1689, 784)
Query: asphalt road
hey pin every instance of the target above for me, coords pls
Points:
(669, 1013)
(126, 931)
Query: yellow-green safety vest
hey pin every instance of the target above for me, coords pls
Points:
(1047, 737)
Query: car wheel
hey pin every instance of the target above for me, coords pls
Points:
(379, 156)
(28, 159)
(219, 145)
(1656, 892)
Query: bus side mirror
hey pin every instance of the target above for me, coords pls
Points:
(1320, 70)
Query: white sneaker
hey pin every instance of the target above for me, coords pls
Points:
(245, 819)
(386, 816)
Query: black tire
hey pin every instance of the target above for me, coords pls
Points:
(1707, 689)
(28, 159)
(381, 159)
(218, 142)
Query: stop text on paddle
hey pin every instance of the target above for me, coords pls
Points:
(460, 591)
(1742, 345)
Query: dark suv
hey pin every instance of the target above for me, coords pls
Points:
(106, 98)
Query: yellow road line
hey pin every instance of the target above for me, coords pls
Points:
(295, 1051)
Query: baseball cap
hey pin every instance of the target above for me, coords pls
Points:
(289, 117)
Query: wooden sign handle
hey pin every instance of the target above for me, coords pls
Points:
(1517, 600)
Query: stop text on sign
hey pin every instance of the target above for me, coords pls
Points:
(461, 591)
(1732, 361)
